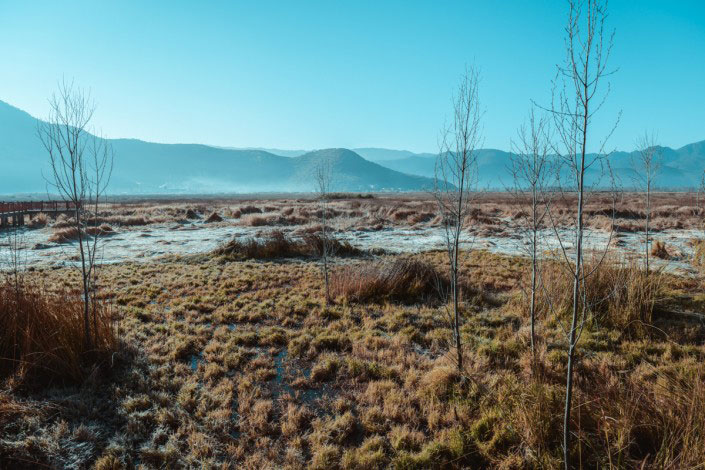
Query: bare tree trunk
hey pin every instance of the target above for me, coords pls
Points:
(456, 304)
(646, 166)
(325, 250)
(85, 280)
(532, 306)
(323, 178)
(587, 54)
(531, 168)
(456, 168)
(646, 229)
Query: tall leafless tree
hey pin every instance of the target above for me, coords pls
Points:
(455, 179)
(323, 173)
(532, 172)
(81, 165)
(580, 90)
(646, 164)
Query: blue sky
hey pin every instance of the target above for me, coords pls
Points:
(317, 74)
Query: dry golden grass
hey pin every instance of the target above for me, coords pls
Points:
(64, 235)
(618, 293)
(400, 279)
(69, 234)
(275, 244)
(240, 364)
(42, 335)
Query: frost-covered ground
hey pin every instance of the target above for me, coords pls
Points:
(153, 241)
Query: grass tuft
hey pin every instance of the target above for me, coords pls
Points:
(42, 336)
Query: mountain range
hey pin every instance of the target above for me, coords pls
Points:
(152, 168)
(148, 168)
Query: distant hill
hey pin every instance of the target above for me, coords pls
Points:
(144, 167)
(680, 168)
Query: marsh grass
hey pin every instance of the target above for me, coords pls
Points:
(242, 365)
(618, 293)
(277, 245)
(69, 234)
(405, 280)
(42, 338)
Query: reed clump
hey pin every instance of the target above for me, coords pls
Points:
(42, 335)
(402, 280)
(618, 293)
(276, 244)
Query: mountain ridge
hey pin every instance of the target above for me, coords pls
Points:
(143, 167)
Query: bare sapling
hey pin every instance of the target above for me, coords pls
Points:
(646, 163)
(455, 179)
(81, 165)
(323, 173)
(580, 90)
(16, 257)
(532, 172)
(701, 190)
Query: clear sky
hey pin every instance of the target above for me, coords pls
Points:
(316, 74)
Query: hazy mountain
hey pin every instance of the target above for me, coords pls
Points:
(680, 168)
(385, 155)
(280, 152)
(145, 167)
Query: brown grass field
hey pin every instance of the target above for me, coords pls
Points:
(494, 213)
(231, 359)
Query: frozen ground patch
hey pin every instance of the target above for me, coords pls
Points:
(151, 242)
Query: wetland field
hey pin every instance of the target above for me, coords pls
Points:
(215, 347)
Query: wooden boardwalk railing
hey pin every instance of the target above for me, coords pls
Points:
(18, 210)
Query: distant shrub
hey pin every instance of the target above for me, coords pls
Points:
(350, 196)
(244, 210)
(258, 220)
(62, 221)
(277, 245)
(39, 220)
(659, 250)
(103, 229)
(64, 235)
(68, 234)
(214, 217)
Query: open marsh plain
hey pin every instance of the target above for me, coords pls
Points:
(229, 358)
